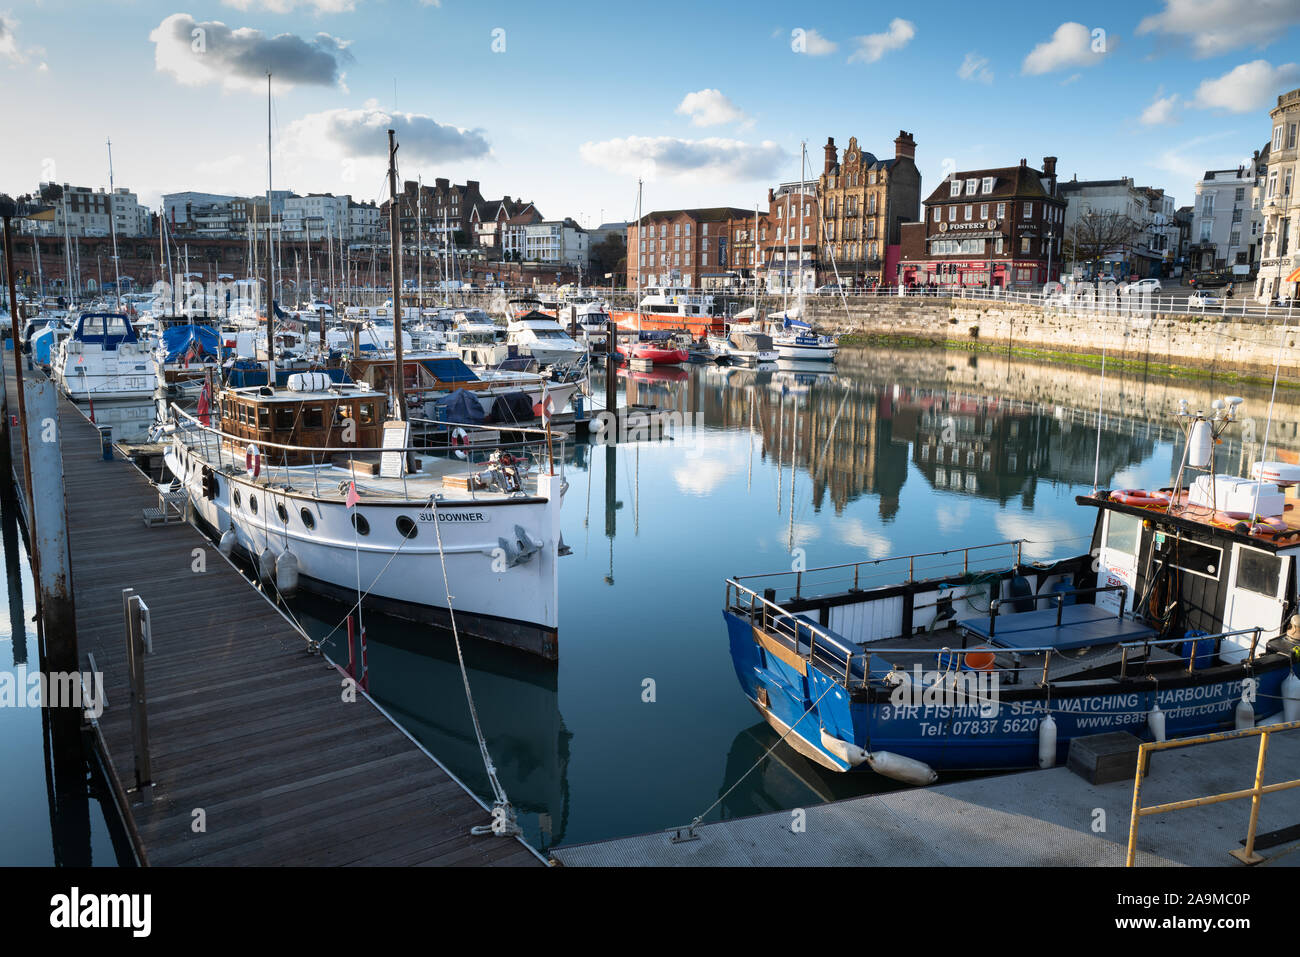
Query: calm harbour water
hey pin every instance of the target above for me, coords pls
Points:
(656, 527)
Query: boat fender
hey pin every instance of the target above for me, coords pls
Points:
(1156, 722)
(1291, 697)
(266, 565)
(227, 543)
(1047, 742)
(846, 751)
(252, 461)
(909, 770)
(1245, 715)
(286, 573)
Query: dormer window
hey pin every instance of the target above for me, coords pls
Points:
(956, 187)
(988, 184)
(971, 184)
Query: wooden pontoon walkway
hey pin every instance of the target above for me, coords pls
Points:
(244, 725)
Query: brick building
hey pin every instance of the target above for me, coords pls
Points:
(492, 218)
(865, 201)
(1005, 223)
(441, 210)
(685, 247)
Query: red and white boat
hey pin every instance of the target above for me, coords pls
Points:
(660, 352)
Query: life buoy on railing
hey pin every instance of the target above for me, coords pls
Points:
(460, 441)
(252, 461)
(1139, 497)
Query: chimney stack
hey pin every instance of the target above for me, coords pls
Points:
(904, 145)
(1049, 170)
(771, 196)
(830, 155)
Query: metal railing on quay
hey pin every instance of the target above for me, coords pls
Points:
(1247, 854)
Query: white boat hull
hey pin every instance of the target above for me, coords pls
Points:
(806, 353)
(512, 604)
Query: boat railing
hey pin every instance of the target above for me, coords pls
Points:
(541, 448)
(922, 566)
(850, 666)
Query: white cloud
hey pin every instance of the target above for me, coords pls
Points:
(1072, 44)
(670, 156)
(1245, 88)
(288, 6)
(702, 477)
(1216, 26)
(814, 44)
(854, 532)
(1043, 537)
(10, 50)
(210, 52)
(361, 134)
(875, 45)
(710, 108)
(976, 68)
(1160, 111)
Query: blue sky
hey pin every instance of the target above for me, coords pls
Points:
(566, 104)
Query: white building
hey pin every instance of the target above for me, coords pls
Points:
(176, 206)
(316, 216)
(1155, 250)
(365, 221)
(86, 213)
(1221, 219)
(1279, 265)
(556, 241)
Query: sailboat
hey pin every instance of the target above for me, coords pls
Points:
(320, 484)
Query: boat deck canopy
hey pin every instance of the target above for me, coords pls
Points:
(1080, 626)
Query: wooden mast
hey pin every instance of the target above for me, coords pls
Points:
(395, 241)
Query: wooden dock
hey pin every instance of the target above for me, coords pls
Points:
(257, 759)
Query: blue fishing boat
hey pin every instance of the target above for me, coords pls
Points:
(1178, 621)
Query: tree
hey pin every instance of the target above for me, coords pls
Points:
(1099, 232)
(608, 255)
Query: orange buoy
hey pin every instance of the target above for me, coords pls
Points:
(979, 659)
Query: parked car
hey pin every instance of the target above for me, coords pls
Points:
(1106, 277)
(830, 289)
(1201, 300)
(1144, 286)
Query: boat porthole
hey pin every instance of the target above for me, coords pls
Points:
(308, 519)
(405, 527)
(235, 495)
(360, 524)
(282, 513)
(252, 504)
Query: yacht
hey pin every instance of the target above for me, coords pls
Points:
(542, 337)
(104, 358)
(672, 307)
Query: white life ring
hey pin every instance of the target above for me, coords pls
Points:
(460, 440)
(252, 461)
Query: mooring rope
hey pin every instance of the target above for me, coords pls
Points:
(503, 813)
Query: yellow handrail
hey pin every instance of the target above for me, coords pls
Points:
(1247, 854)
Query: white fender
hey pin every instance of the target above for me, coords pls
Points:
(286, 573)
(1156, 722)
(227, 543)
(266, 564)
(1047, 742)
(1245, 715)
(846, 751)
(909, 770)
(1291, 697)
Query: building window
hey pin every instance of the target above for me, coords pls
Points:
(1002, 211)
(984, 210)
(1234, 238)
(1277, 138)
(871, 177)
(1029, 210)
(1241, 194)
(952, 214)
(956, 187)
(997, 245)
(938, 213)
(971, 184)
(968, 215)
(1025, 242)
(988, 184)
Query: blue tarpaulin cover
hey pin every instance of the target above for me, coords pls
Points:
(177, 341)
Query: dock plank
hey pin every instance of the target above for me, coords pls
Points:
(243, 721)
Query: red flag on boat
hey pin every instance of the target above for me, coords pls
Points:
(353, 497)
(205, 406)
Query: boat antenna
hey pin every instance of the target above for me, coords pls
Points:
(112, 228)
(395, 240)
(270, 262)
(1268, 424)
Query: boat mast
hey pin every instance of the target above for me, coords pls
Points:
(112, 228)
(803, 157)
(419, 244)
(270, 260)
(756, 322)
(640, 218)
(395, 240)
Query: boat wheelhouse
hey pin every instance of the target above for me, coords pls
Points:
(1175, 623)
(672, 307)
(104, 358)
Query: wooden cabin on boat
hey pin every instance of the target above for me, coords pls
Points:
(311, 413)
